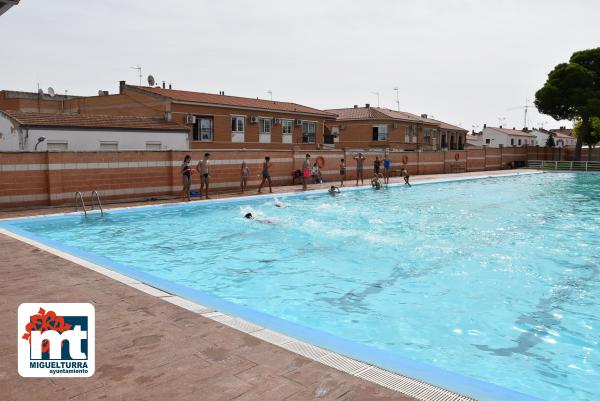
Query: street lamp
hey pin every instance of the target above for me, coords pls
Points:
(40, 140)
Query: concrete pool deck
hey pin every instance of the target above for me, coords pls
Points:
(150, 349)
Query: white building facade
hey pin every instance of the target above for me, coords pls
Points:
(497, 137)
(21, 131)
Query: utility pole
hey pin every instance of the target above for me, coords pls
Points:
(270, 92)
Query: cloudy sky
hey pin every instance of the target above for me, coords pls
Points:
(466, 62)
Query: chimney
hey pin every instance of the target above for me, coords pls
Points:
(356, 106)
(514, 128)
(170, 87)
(367, 105)
(122, 86)
(424, 115)
(500, 126)
(163, 84)
(485, 126)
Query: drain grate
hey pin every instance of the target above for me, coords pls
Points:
(304, 349)
(238, 324)
(272, 337)
(184, 303)
(343, 363)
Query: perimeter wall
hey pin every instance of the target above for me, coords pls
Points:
(51, 178)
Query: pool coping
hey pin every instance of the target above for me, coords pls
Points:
(419, 380)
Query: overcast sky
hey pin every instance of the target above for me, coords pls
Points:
(466, 62)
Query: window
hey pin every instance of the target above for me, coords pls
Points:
(309, 130)
(380, 132)
(153, 145)
(406, 134)
(237, 128)
(203, 129)
(109, 145)
(512, 141)
(414, 133)
(265, 130)
(519, 142)
(488, 141)
(427, 135)
(58, 145)
(287, 130)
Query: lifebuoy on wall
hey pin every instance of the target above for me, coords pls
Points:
(320, 162)
(405, 159)
(456, 156)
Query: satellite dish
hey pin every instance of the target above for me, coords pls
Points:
(151, 80)
(51, 91)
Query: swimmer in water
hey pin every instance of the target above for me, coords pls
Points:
(333, 190)
(250, 216)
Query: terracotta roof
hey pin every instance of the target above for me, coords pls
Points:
(232, 101)
(374, 113)
(514, 132)
(29, 119)
(444, 125)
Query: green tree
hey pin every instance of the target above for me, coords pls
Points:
(550, 141)
(573, 90)
(590, 138)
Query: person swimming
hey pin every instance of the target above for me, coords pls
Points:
(333, 190)
(251, 216)
(375, 182)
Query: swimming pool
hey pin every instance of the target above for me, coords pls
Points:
(495, 279)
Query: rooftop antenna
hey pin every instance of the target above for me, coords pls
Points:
(151, 80)
(51, 91)
(525, 109)
(270, 92)
(376, 94)
(501, 121)
(139, 70)
(397, 98)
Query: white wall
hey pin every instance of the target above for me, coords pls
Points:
(9, 136)
(89, 139)
(498, 138)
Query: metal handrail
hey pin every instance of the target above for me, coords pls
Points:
(99, 202)
(79, 195)
(565, 165)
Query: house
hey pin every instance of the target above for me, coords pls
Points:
(561, 140)
(474, 140)
(216, 120)
(380, 128)
(6, 4)
(33, 131)
(499, 137)
(33, 101)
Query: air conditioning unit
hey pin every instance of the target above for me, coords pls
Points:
(190, 119)
(276, 121)
(298, 122)
(253, 119)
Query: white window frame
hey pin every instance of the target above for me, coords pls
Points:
(414, 133)
(109, 143)
(151, 145)
(236, 134)
(407, 134)
(59, 146)
(199, 135)
(382, 132)
(287, 137)
(427, 135)
(265, 127)
(307, 132)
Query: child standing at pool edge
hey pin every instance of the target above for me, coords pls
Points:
(186, 172)
(244, 173)
(266, 175)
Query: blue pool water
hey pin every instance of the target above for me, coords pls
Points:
(496, 279)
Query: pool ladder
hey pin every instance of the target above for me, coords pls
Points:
(79, 197)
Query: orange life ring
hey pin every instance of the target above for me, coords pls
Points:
(456, 156)
(405, 159)
(320, 162)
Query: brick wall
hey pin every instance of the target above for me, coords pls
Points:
(52, 178)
